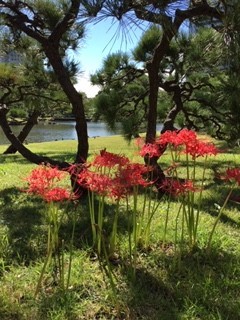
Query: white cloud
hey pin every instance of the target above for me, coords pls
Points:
(84, 85)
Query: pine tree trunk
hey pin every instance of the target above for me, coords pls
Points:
(75, 99)
(32, 120)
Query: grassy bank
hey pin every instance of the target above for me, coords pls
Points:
(200, 285)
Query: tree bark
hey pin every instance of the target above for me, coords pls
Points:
(178, 106)
(153, 68)
(170, 29)
(31, 122)
(74, 97)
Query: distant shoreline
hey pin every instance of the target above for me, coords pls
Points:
(19, 122)
(69, 119)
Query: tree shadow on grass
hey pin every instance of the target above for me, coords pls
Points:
(201, 287)
(22, 218)
(17, 158)
(209, 208)
(23, 223)
(83, 229)
(213, 204)
(11, 159)
(149, 297)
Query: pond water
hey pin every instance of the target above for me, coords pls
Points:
(61, 130)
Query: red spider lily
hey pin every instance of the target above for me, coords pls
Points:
(233, 175)
(132, 175)
(118, 189)
(200, 149)
(56, 194)
(108, 159)
(75, 168)
(176, 187)
(95, 182)
(186, 136)
(167, 137)
(42, 180)
(177, 138)
(151, 150)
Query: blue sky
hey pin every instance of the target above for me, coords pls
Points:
(101, 39)
(99, 42)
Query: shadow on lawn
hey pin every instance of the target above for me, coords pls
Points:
(150, 297)
(23, 223)
(208, 206)
(58, 156)
(22, 216)
(202, 285)
(17, 158)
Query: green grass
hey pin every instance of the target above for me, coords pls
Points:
(201, 286)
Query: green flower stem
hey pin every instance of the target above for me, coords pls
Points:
(218, 218)
(100, 223)
(182, 236)
(148, 226)
(142, 214)
(92, 215)
(186, 216)
(176, 225)
(54, 222)
(71, 251)
(42, 273)
(190, 214)
(108, 270)
(135, 226)
(129, 233)
(62, 278)
(114, 230)
(166, 222)
(200, 200)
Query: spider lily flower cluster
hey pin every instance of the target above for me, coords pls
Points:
(44, 181)
(114, 179)
(184, 145)
(233, 175)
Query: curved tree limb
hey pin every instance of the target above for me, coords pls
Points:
(25, 152)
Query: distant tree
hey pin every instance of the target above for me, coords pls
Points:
(121, 100)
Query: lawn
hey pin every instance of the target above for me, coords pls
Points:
(195, 284)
